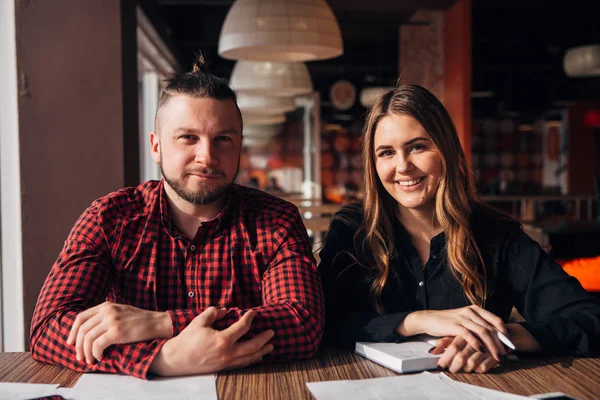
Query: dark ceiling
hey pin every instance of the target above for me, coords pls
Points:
(518, 49)
(518, 45)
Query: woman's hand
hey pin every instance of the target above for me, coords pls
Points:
(459, 356)
(474, 324)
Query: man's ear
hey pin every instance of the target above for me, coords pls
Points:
(155, 147)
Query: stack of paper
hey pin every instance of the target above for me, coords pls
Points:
(423, 386)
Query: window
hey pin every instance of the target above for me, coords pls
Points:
(155, 62)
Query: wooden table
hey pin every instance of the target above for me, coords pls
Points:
(578, 377)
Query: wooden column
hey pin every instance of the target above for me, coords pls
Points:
(457, 69)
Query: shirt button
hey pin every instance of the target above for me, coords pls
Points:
(218, 227)
(434, 256)
(421, 283)
(191, 294)
(192, 247)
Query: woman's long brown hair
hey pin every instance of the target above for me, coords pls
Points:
(453, 200)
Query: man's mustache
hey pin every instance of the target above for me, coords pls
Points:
(205, 171)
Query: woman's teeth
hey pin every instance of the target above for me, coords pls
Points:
(412, 182)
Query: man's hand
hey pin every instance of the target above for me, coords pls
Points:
(200, 349)
(110, 323)
(473, 323)
(459, 356)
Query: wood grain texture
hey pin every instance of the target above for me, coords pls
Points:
(20, 367)
(577, 377)
(288, 380)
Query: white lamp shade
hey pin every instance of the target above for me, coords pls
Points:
(262, 119)
(583, 61)
(259, 135)
(261, 130)
(280, 30)
(271, 79)
(370, 95)
(265, 105)
(254, 142)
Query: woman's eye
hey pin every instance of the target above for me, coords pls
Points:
(385, 153)
(417, 147)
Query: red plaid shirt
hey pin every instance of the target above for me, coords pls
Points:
(124, 248)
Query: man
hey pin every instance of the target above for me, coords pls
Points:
(192, 274)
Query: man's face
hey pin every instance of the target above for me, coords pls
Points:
(197, 145)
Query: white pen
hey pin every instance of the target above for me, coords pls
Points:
(505, 340)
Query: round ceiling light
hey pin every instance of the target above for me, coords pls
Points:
(259, 135)
(583, 61)
(271, 79)
(265, 105)
(280, 30)
(370, 95)
(262, 119)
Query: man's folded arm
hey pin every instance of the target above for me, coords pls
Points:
(79, 280)
(292, 296)
(292, 307)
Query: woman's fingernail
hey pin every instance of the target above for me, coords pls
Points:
(482, 349)
(432, 349)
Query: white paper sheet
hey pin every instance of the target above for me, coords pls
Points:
(109, 386)
(25, 391)
(424, 386)
(482, 392)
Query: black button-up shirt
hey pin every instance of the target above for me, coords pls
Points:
(559, 313)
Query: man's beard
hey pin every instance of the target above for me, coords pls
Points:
(205, 193)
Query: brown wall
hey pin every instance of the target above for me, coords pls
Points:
(422, 52)
(457, 70)
(71, 122)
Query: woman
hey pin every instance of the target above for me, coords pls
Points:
(423, 255)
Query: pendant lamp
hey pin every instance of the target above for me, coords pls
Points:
(261, 119)
(271, 79)
(265, 105)
(259, 135)
(583, 61)
(370, 95)
(280, 30)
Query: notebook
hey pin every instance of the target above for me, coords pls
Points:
(404, 357)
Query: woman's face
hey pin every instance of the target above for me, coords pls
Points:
(407, 162)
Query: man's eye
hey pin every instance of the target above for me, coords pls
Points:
(223, 138)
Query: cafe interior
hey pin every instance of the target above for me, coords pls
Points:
(526, 107)
(521, 80)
